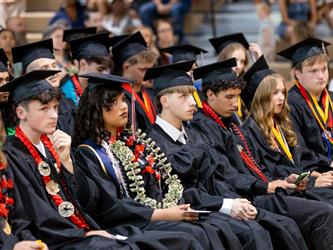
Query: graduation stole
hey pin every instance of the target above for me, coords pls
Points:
(282, 141)
(246, 154)
(77, 86)
(146, 104)
(325, 116)
(65, 208)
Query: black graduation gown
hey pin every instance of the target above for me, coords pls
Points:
(113, 210)
(142, 121)
(7, 242)
(66, 115)
(35, 216)
(289, 205)
(196, 167)
(306, 125)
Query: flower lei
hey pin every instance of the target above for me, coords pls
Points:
(51, 186)
(153, 161)
(5, 201)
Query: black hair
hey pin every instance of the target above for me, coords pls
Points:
(220, 85)
(89, 123)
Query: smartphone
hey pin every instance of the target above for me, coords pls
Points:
(301, 177)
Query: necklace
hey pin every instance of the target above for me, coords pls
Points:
(66, 209)
(146, 158)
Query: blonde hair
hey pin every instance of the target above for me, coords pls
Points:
(320, 58)
(185, 89)
(263, 112)
(228, 50)
(145, 56)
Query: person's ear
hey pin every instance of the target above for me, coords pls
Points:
(125, 67)
(83, 65)
(21, 113)
(210, 94)
(164, 101)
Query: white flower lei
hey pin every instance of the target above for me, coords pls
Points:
(126, 156)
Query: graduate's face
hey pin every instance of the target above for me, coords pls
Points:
(4, 78)
(180, 105)
(224, 102)
(313, 78)
(278, 96)
(116, 115)
(46, 64)
(40, 118)
(240, 56)
(136, 71)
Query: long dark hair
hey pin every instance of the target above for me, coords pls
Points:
(89, 123)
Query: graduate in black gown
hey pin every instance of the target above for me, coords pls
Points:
(132, 58)
(310, 102)
(150, 204)
(199, 165)
(39, 55)
(187, 52)
(43, 173)
(70, 83)
(222, 87)
(270, 130)
(7, 239)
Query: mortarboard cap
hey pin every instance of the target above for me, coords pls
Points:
(114, 40)
(255, 74)
(304, 49)
(30, 52)
(70, 34)
(29, 85)
(219, 43)
(98, 79)
(170, 75)
(184, 52)
(216, 71)
(3, 61)
(128, 47)
(88, 46)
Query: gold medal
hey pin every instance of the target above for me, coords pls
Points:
(66, 209)
(52, 187)
(44, 168)
(5, 226)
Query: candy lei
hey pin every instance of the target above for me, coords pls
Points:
(51, 186)
(155, 163)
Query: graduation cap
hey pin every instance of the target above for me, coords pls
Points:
(88, 46)
(216, 71)
(116, 39)
(70, 34)
(184, 52)
(170, 75)
(128, 47)
(219, 43)
(304, 49)
(98, 79)
(29, 85)
(256, 73)
(3, 61)
(30, 52)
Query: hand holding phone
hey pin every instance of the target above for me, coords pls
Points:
(301, 177)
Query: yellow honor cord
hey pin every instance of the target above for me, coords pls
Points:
(39, 242)
(278, 135)
(323, 115)
(197, 99)
(239, 109)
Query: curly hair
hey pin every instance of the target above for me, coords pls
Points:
(89, 122)
(263, 112)
(219, 85)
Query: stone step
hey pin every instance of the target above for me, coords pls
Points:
(43, 5)
(37, 21)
